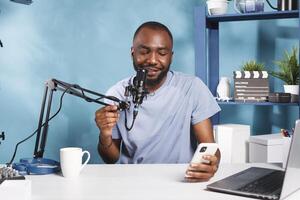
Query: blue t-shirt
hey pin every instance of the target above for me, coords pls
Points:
(161, 132)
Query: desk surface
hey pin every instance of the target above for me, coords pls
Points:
(156, 181)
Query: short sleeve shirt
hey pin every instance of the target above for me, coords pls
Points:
(161, 132)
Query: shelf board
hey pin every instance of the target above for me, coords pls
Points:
(253, 16)
(257, 103)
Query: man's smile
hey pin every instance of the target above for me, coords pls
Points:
(152, 71)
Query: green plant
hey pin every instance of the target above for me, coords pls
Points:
(289, 68)
(252, 65)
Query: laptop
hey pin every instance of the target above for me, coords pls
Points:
(264, 183)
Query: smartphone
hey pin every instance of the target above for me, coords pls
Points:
(204, 149)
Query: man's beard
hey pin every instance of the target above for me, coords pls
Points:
(153, 82)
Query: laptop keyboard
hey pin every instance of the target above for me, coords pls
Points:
(266, 185)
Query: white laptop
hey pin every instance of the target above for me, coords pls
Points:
(264, 183)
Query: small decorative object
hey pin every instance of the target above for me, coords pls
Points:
(217, 7)
(251, 84)
(248, 6)
(278, 97)
(283, 5)
(289, 72)
(223, 89)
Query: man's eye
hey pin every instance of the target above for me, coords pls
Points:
(143, 51)
(163, 52)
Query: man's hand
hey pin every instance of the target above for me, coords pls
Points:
(198, 172)
(106, 118)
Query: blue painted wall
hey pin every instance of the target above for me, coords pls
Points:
(88, 43)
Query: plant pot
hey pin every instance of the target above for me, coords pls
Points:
(217, 7)
(293, 89)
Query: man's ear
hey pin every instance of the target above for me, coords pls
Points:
(172, 56)
(132, 51)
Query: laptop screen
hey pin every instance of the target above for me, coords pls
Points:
(292, 175)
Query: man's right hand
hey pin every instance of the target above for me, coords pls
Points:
(106, 118)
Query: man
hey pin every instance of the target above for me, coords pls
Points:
(161, 132)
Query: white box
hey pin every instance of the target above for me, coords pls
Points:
(270, 148)
(233, 142)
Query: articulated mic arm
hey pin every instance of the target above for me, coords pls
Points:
(73, 89)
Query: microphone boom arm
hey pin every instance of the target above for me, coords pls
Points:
(73, 89)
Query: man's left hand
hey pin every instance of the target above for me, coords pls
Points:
(199, 172)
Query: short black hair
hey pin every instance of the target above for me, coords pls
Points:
(155, 26)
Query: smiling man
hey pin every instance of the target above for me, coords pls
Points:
(176, 103)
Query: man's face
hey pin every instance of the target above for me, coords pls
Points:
(152, 50)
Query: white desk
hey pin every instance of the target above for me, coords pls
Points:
(131, 182)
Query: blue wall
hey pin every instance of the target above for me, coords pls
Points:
(88, 43)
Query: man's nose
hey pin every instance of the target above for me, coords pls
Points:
(153, 58)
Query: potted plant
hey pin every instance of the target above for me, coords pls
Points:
(252, 65)
(251, 83)
(289, 72)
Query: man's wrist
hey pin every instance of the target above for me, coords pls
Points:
(105, 142)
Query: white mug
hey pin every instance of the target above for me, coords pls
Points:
(71, 161)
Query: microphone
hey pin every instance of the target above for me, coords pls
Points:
(137, 90)
(139, 86)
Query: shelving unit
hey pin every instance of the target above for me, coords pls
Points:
(207, 47)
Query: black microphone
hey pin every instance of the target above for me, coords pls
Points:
(139, 91)
(139, 85)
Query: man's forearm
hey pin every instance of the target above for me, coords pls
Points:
(109, 150)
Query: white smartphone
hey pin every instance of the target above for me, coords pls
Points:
(204, 149)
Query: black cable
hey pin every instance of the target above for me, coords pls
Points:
(274, 8)
(133, 120)
(16, 147)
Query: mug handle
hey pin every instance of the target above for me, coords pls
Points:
(87, 159)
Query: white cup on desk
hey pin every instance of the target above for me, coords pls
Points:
(71, 161)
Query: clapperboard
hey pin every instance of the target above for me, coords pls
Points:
(251, 86)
